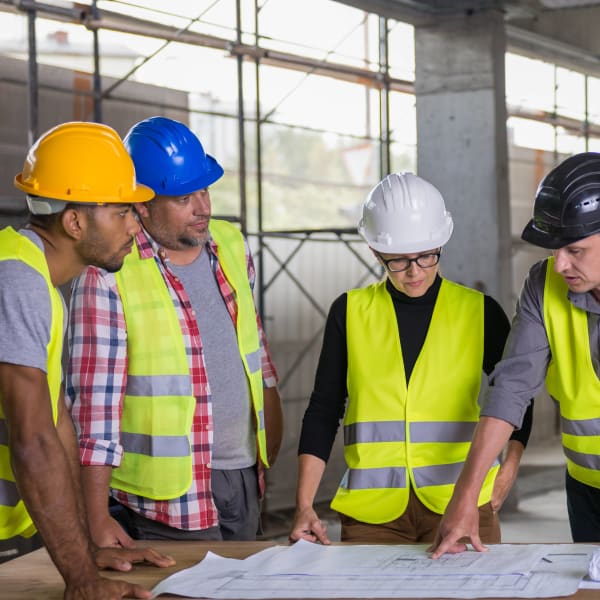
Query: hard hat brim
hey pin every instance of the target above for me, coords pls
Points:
(535, 236)
(141, 193)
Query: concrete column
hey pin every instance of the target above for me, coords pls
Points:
(462, 145)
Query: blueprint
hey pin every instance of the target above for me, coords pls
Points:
(307, 570)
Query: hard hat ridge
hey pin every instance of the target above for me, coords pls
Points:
(79, 162)
(403, 214)
(567, 203)
(169, 157)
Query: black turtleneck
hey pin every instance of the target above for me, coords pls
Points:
(328, 400)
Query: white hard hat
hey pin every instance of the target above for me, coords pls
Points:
(403, 214)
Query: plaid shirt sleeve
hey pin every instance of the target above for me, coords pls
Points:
(97, 370)
(269, 372)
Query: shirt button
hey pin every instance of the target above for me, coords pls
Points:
(208, 465)
(193, 312)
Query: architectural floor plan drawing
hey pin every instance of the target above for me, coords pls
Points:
(307, 570)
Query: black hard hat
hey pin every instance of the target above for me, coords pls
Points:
(567, 203)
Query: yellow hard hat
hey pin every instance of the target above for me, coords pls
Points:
(81, 162)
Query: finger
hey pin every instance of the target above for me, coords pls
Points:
(477, 544)
(320, 531)
(137, 591)
(114, 563)
(156, 558)
(448, 546)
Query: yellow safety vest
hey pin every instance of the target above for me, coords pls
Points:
(572, 380)
(397, 435)
(14, 518)
(158, 407)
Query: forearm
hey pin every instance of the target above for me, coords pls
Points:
(490, 437)
(47, 489)
(95, 482)
(68, 438)
(310, 473)
(273, 422)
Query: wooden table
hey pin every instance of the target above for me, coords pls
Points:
(34, 577)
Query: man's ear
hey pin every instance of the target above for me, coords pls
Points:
(74, 222)
(141, 209)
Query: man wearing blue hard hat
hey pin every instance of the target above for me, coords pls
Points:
(173, 389)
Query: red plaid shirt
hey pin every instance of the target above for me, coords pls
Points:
(97, 378)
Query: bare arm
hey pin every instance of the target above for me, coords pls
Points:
(307, 525)
(273, 422)
(461, 518)
(507, 474)
(44, 472)
(105, 531)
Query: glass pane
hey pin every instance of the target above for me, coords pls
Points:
(401, 49)
(313, 101)
(594, 99)
(403, 158)
(204, 16)
(570, 93)
(312, 180)
(209, 72)
(594, 144)
(320, 29)
(530, 134)
(403, 118)
(529, 83)
(569, 143)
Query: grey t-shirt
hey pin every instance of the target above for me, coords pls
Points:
(25, 312)
(521, 373)
(234, 442)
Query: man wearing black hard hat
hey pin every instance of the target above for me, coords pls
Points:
(554, 341)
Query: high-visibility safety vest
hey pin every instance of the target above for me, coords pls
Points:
(158, 407)
(572, 380)
(14, 518)
(397, 435)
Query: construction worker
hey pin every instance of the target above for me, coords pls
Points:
(409, 354)
(80, 183)
(179, 411)
(553, 340)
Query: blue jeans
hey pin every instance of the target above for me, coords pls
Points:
(583, 504)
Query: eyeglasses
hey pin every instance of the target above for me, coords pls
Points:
(397, 265)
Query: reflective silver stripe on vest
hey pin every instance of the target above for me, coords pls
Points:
(368, 479)
(159, 385)
(3, 433)
(589, 461)
(580, 426)
(9, 494)
(442, 431)
(162, 446)
(374, 431)
(261, 420)
(253, 361)
(439, 474)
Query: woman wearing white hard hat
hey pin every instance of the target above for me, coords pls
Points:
(410, 355)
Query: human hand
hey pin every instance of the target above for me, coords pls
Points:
(307, 526)
(105, 589)
(460, 521)
(122, 559)
(108, 533)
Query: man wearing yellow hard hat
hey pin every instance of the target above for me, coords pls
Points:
(80, 185)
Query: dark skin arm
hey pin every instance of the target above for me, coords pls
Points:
(47, 477)
(273, 422)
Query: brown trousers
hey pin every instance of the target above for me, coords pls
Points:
(418, 524)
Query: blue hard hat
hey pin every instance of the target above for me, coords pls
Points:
(169, 158)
